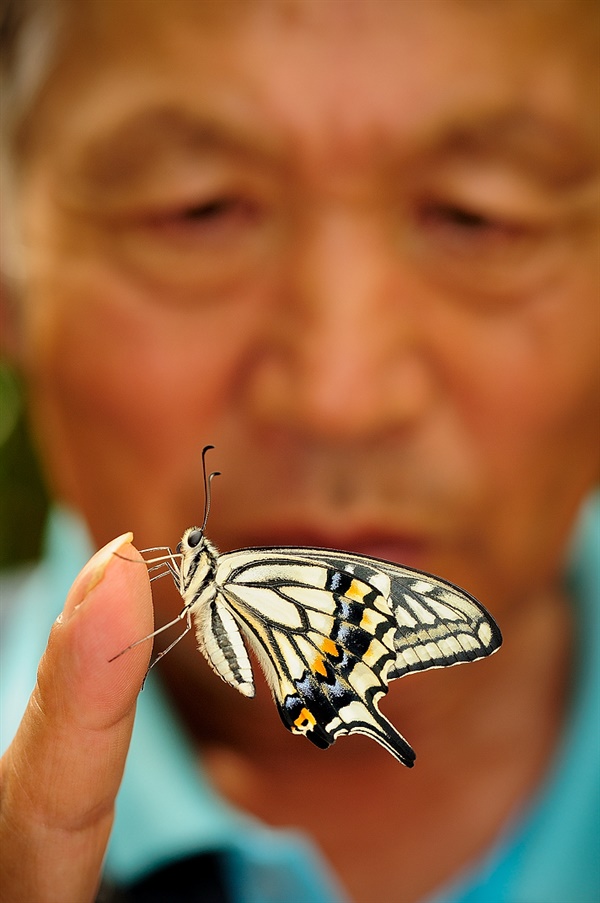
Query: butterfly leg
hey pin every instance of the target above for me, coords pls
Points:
(168, 556)
(188, 627)
(185, 613)
(162, 570)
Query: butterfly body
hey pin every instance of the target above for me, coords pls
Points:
(330, 629)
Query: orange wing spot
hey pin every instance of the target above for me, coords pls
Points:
(366, 621)
(305, 721)
(357, 591)
(319, 665)
(329, 647)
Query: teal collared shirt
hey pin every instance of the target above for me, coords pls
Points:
(550, 853)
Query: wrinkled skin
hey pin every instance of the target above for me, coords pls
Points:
(354, 247)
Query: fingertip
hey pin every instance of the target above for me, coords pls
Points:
(93, 572)
(110, 607)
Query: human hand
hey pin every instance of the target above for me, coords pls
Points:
(60, 776)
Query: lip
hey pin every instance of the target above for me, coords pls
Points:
(399, 548)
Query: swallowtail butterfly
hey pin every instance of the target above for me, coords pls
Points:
(330, 629)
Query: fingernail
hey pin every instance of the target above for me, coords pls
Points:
(92, 574)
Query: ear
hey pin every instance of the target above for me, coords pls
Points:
(10, 344)
(10, 281)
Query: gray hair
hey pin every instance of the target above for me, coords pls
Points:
(29, 45)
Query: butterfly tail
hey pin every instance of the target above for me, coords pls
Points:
(302, 717)
(374, 725)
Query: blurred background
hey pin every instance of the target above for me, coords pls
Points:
(23, 500)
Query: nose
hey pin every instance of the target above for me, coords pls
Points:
(344, 355)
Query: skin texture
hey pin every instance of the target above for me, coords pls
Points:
(354, 247)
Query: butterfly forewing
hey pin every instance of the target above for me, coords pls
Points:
(437, 624)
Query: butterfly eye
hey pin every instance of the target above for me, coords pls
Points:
(194, 538)
(179, 548)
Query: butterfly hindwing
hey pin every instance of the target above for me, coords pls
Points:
(219, 639)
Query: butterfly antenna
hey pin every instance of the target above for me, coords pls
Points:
(207, 481)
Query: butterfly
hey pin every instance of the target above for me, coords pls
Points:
(330, 629)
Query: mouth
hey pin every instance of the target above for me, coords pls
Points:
(399, 548)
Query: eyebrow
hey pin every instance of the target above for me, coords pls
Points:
(133, 146)
(550, 150)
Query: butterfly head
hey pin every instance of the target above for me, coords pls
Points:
(198, 556)
(192, 538)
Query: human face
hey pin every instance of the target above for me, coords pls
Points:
(352, 245)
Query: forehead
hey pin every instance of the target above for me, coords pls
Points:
(339, 70)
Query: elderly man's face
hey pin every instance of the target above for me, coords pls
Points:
(351, 245)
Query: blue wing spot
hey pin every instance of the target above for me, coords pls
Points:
(338, 581)
(352, 612)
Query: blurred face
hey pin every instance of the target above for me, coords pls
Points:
(351, 245)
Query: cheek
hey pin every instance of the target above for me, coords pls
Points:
(529, 385)
(530, 380)
(123, 384)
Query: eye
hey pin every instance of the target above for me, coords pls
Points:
(487, 252)
(211, 210)
(220, 219)
(464, 219)
(201, 248)
(179, 548)
(194, 538)
(464, 228)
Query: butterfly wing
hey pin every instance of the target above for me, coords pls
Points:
(438, 624)
(331, 629)
(219, 639)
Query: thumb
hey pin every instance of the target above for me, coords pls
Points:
(61, 774)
